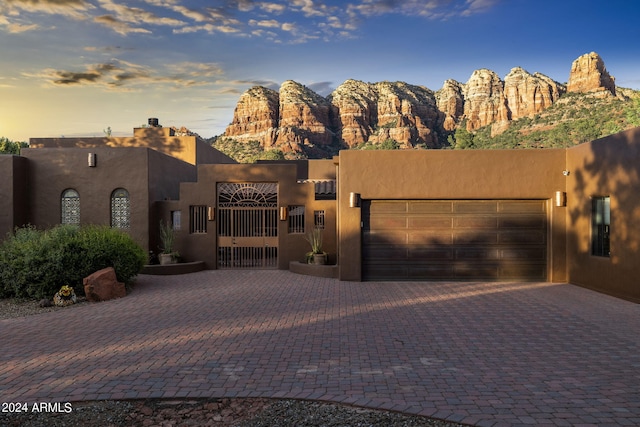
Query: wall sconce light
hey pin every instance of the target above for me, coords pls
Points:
(211, 213)
(284, 213)
(354, 200)
(91, 160)
(565, 172)
(561, 199)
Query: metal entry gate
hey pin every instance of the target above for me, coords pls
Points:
(248, 225)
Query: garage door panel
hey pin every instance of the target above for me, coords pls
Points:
(465, 254)
(486, 271)
(386, 237)
(435, 237)
(475, 237)
(386, 253)
(422, 222)
(475, 207)
(388, 223)
(523, 254)
(430, 272)
(430, 254)
(454, 240)
(538, 222)
(430, 207)
(475, 222)
(381, 207)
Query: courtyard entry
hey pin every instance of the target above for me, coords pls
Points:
(248, 225)
(454, 240)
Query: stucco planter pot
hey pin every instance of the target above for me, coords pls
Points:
(166, 259)
(320, 259)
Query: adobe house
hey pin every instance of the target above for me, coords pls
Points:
(557, 215)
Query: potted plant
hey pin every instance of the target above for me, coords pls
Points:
(167, 237)
(317, 255)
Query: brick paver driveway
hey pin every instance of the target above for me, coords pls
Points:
(479, 353)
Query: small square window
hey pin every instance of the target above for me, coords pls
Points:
(600, 226)
(318, 219)
(176, 220)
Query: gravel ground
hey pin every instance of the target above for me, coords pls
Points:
(201, 412)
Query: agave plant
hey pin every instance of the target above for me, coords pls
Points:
(314, 237)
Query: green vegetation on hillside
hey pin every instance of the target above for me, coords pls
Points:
(245, 152)
(573, 120)
(389, 144)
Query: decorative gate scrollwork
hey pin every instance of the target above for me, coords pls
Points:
(248, 225)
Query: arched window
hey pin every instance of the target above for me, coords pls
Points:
(120, 209)
(70, 212)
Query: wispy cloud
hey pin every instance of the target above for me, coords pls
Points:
(434, 9)
(125, 20)
(305, 19)
(16, 27)
(14, 14)
(122, 75)
(76, 9)
(118, 26)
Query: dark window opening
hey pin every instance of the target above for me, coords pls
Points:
(600, 226)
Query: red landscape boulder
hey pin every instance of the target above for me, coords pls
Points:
(103, 285)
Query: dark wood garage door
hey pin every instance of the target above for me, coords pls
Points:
(454, 240)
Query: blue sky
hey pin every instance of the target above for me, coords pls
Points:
(76, 67)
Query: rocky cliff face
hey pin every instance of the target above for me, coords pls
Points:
(588, 74)
(450, 102)
(256, 117)
(304, 119)
(484, 101)
(528, 94)
(366, 112)
(355, 111)
(297, 120)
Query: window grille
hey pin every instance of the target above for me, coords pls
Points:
(600, 226)
(70, 213)
(197, 219)
(318, 219)
(120, 209)
(296, 219)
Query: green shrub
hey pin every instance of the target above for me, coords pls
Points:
(107, 247)
(35, 264)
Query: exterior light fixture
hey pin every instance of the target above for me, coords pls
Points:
(284, 213)
(354, 200)
(91, 160)
(211, 213)
(565, 172)
(561, 199)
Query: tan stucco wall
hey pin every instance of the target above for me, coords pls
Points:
(308, 169)
(445, 174)
(322, 169)
(147, 175)
(291, 247)
(606, 167)
(189, 149)
(13, 192)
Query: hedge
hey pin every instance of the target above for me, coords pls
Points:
(36, 263)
